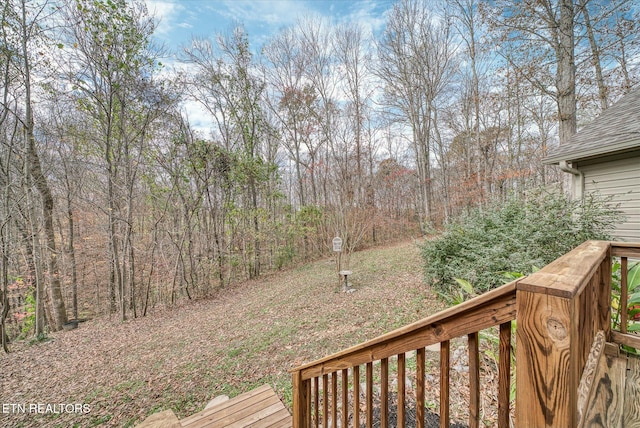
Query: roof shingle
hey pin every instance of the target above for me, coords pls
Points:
(616, 130)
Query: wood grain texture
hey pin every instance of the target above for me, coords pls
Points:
(627, 249)
(632, 394)
(474, 380)
(504, 375)
(402, 390)
(325, 400)
(589, 372)
(547, 376)
(606, 402)
(420, 387)
(356, 396)
(307, 401)
(334, 398)
(632, 340)
(260, 407)
(300, 419)
(603, 311)
(565, 276)
(369, 395)
(624, 294)
(316, 402)
(384, 393)
(445, 366)
(345, 397)
(559, 309)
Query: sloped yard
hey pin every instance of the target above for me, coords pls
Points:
(180, 358)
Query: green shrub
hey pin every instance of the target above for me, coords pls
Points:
(485, 246)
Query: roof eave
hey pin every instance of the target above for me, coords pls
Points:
(576, 155)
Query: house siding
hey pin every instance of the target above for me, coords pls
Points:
(620, 178)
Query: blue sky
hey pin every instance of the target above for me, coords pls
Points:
(180, 19)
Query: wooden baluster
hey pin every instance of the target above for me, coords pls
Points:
(307, 403)
(369, 395)
(401, 389)
(624, 295)
(325, 401)
(420, 363)
(356, 396)
(384, 392)
(474, 381)
(334, 399)
(504, 375)
(300, 419)
(345, 397)
(316, 407)
(444, 383)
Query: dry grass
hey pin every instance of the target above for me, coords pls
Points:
(180, 358)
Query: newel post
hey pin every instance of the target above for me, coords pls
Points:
(558, 313)
(301, 400)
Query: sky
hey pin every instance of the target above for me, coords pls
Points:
(179, 20)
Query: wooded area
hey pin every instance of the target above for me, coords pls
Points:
(113, 203)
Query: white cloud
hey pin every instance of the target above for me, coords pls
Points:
(199, 118)
(166, 13)
(371, 15)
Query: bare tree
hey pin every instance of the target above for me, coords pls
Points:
(292, 100)
(28, 28)
(354, 65)
(111, 67)
(530, 32)
(415, 63)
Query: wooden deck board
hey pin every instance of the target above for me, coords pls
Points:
(615, 397)
(258, 408)
(164, 419)
(226, 405)
(632, 394)
(233, 412)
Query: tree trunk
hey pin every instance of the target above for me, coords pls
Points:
(4, 286)
(39, 180)
(71, 250)
(566, 72)
(595, 56)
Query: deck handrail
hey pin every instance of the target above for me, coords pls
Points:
(558, 310)
(494, 308)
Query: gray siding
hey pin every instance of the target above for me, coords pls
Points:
(620, 178)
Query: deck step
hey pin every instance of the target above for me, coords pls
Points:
(164, 419)
(259, 408)
(614, 395)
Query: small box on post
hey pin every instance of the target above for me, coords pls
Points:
(337, 244)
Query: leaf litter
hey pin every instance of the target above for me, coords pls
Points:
(181, 357)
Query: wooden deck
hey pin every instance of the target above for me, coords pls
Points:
(259, 408)
(614, 397)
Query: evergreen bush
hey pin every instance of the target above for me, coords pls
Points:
(485, 246)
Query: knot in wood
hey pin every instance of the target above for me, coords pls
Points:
(556, 329)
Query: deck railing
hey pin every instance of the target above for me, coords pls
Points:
(558, 309)
(625, 252)
(317, 402)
